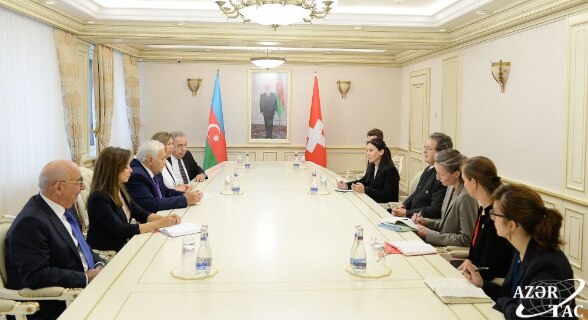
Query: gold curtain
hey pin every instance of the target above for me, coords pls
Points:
(71, 94)
(103, 95)
(132, 98)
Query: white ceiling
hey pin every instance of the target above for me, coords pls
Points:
(414, 13)
(376, 32)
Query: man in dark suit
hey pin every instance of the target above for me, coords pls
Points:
(44, 245)
(182, 161)
(268, 104)
(146, 185)
(429, 193)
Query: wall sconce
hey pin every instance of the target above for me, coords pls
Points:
(500, 72)
(344, 87)
(194, 85)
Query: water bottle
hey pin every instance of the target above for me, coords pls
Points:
(247, 161)
(188, 256)
(204, 256)
(357, 258)
(314, 183)
(296, 163)
(236, 187)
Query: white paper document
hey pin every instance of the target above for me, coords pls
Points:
(456, 290)
(181, 229)
(414, 247)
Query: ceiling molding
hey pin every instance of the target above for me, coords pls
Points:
(523, 23)
(43, 14)
(400, 46)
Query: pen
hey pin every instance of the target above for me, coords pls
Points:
(482, 268)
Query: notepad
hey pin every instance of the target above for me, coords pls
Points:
(401, 222)
(181, 229)
(343, 190)
(456, 290)
(414, 247)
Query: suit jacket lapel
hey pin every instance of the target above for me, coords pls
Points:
(59, 227)
(459, 190)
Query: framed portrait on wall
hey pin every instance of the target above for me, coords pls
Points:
(269, 106)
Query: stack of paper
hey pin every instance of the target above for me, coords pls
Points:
(399, 224)
(414, 247)
(181, 229)
(456, 290)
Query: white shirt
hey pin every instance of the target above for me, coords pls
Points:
(60, 212)
(176, 169)
(169, 178)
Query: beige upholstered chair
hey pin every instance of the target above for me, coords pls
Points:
(82, 201)
(19, 310)
(399, 163)
(49, 293)
(412, 185)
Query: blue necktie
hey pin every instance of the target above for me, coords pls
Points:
(81, 241)
(157, 188)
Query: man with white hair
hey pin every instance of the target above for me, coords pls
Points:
(146, 185)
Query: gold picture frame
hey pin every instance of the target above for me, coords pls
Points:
(269, 90)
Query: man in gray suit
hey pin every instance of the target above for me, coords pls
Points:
(267, 108)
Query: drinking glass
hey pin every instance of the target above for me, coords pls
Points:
(323, 187)
(228, 183)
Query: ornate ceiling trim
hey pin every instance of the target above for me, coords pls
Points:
(43, 14)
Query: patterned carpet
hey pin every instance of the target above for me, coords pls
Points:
(258, 131)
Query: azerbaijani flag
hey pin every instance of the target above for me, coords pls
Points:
(280, 94)
(216, 145)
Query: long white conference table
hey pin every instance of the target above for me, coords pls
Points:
(281, 254)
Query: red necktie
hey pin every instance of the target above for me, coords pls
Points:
(477, 228)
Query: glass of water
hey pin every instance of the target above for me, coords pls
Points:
(323, 187)
(379, 252)
(228, 184)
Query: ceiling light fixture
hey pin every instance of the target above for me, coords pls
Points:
(275, 13)
(267, 61)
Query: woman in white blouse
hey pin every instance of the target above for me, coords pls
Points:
(170, 180)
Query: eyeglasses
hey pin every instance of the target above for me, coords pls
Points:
(80, 181)
(494, 213)
(428, 148)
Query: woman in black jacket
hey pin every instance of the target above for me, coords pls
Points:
(110, 208)
(487, 248)
(381, 177)
(540, 281)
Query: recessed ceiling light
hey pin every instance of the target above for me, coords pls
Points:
(90, 22)
(181, 23)
(50, 2)
(442, 30)
(207, 50)
(481, 12)
(358, 27)
(328, 52)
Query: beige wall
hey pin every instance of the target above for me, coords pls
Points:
(373, 101)
(522, 129)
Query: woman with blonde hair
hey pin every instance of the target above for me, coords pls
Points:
(169, 178)
(458, 211)
(110, 208)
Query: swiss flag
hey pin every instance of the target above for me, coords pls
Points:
(316, 149)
